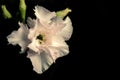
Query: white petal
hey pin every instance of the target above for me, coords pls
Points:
(44, 14)
(58, 48)
(58, 41)
(66, 32)
(47, 60)
(36, 62)
(35, 31)
(57, 52)
(34, 45)
(19, 37)
(57, 25)
(31, 22)
(41, 62)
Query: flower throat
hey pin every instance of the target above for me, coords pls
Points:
(40, 37)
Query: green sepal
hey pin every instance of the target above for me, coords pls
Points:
(63, 13)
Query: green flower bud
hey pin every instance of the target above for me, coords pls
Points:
(22, 8)
(6, 13)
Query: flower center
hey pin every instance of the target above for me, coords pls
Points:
(40, 37)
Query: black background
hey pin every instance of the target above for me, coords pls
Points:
(88, 45)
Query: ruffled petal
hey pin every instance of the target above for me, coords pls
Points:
(36, 30)
(67, 31)
(58, 48)
(41, 62)
(19, 37)
(57, 25)
(57, 52)
(34, 45)
(31, 22)
(47, 60)
(44, 14)
(36, 62)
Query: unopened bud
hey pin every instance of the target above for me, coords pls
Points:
(22, 8)
(6, 13)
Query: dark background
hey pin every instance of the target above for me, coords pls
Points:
(88, 45)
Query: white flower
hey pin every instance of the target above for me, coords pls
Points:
(44, 37)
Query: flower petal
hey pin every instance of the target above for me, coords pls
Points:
(41, 62)
(67, 31)
(31, 22)
(57, 52)
(57, 25)
(19, 37)
(58, 48)
(36, 62)
(44, 14)
(36, 29)
(34, 45)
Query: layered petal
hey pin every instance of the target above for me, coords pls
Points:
(57, 52)
(57, 25)
(41, 62)
(67, 31)
(19, 37)
(58, 48)
(31, 22)
(34, 45)
(44, 14)
(36, 62)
